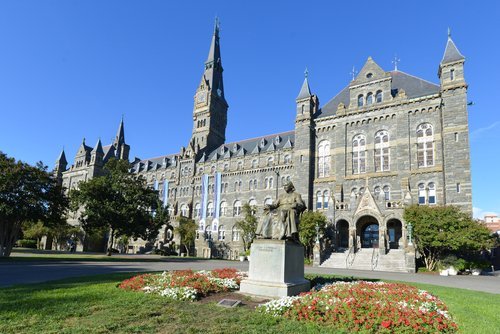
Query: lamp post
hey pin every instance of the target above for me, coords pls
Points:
(410, 234)
(277, 180)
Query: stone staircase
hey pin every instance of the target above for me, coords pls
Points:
(393, 261)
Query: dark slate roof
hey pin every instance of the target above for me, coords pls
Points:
(62, 158)
(413, 86)
(305, 92)
(451, 53)
(154, 163)
(266, 143)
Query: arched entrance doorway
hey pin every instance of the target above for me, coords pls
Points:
(343, 233)
(394, 233)
(367, 232)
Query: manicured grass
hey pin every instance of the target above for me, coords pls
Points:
(26, 255)
(96, 305)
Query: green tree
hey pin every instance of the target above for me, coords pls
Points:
(247, 226)
(117, 202)
(440, 230)
(187, 231)
(35, 231)
(307, 229)
(27, 194)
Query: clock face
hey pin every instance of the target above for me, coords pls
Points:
(201, 97)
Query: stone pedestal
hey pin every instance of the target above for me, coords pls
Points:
(276, 269)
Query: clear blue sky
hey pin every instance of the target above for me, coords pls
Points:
(70, 69)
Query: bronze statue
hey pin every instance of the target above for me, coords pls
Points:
(290, 205)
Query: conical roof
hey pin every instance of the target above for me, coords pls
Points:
(451, 53)
(305, 91)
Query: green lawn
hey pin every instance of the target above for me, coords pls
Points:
(29, 255)
(96, 305)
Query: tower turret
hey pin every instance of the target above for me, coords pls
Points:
(210, 106)
(121, 148)
(60, 167)
(307, 106)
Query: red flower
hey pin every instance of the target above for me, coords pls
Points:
(386, 323)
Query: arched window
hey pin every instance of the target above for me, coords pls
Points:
(255, 184)
(326, 198)
(381, 151)
(425, 145)
(378, 96)
(237, 209)
(421, 194)
(184, 210)
(324, 158)
(270, 161)
(376, 191)
(319, 199)
(287, 159)
(222, 233)
(432, 193)
(268, 201)
(354, 192)
(360, 100)
(226, 167)
(197, 210)
(254, 163)
(210, 209)
(252, 202)
(223, 208)
(235, 234)
(240, 165)
(359, 154)
(387, 193)
(369, 98)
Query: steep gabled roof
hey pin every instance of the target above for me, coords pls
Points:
(413, 86)
(451, 53)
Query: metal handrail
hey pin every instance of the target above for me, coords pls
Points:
(350, 257)
(375, 256)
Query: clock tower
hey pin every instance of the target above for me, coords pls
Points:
(210, 106)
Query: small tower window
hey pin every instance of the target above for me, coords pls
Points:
(360, 100)
(378, 96)
(452, 74)
(369, 75)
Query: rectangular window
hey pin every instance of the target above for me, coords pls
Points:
(456, 136)
(458, 188)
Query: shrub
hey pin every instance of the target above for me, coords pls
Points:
(27, 243)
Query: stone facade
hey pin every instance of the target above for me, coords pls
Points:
(387, 140)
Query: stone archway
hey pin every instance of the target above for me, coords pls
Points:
(343, 233)
(395, 233)
(367, 232)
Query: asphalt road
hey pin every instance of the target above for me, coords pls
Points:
(12, 273)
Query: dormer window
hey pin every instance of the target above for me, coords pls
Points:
(235, 148)
(360, 100)
(262, 142)
(277, 140)
(378, 96)
(369, 98)
(222, 150)
(369, 75)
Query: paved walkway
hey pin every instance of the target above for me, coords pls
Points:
(12, 273)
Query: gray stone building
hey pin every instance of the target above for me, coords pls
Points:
(387, 140)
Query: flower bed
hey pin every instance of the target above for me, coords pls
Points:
(367, 307)
(185, 284)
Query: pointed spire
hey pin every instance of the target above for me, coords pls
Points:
(120, 135)
(98, 147)
(62, 159)
(305, 91)
(214, 52)
(213, 65)
(451, 52)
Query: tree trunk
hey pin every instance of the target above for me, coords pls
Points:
(187, 249)
(110, 242)
(8, 236)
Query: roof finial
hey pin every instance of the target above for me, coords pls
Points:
(396, 61)
(353, 73)
(306, 73)
(449, 32)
